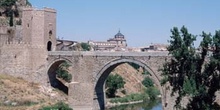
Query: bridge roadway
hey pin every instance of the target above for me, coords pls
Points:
(99, 53)
(90, 69)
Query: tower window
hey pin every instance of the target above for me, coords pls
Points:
(49, 46)
(50, 32)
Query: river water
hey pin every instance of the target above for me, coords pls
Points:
(151, 105)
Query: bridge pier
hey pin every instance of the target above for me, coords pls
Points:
(81, 96)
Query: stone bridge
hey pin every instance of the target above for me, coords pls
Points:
(90, 70)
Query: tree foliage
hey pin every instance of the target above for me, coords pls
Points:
(152, 92)
(113, 83)
(10, 9)
(147, 82)
(63, 73)
(85, 46)
(134, 65)
(7, 6)
(28, 3)
(188, 72)
(7, 3)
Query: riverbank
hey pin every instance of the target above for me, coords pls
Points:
(109, 104)
(145, 105)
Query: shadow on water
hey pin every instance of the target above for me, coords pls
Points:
(149, 105)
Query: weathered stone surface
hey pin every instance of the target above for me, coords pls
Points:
(90, 70)
(23, 48)
(24, 53)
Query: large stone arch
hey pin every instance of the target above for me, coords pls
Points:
(102, 75)
(51, 73)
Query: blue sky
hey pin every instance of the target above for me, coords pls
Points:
(141, 21)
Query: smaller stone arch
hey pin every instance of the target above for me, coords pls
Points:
(51, 72)
(105, 71)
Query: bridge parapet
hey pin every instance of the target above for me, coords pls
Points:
(97, 53)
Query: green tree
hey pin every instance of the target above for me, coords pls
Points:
(147, 82)
(113, 83)
(7, 6)
(85, 46)
(189, 74)
(7, 3)
(11, 9)
(8, 10)
(63, 72)
(11, 21)
(152, 92)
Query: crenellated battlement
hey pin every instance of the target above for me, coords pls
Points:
(46, 9)
(49, 9)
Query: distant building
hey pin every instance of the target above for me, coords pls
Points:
(155, 47)
(118, 43)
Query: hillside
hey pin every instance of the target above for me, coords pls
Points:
(131, 76)
(18, 94)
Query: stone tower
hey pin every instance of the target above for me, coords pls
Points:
(39, 29)
(25, 51)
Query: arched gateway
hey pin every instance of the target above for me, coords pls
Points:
(90, 70)
(52, 78)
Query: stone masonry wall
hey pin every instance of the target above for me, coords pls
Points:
(26, 56)
(87, 68)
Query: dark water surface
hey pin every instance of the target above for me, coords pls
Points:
(150, 105)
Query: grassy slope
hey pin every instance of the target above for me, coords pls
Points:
(18, 94)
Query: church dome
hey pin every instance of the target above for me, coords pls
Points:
(119, 35)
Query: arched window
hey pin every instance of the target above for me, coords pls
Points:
(49, 45)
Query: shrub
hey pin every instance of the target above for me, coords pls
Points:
(57, 106)
(85, 46)
(147, 82)
(152, 92)
(63, 72)
(146, 72)
(134, 65)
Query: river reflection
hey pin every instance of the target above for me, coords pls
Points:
(150, 105)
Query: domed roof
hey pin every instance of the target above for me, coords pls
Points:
(119, 34)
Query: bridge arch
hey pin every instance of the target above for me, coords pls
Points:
(106, 70)
(51, 72)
